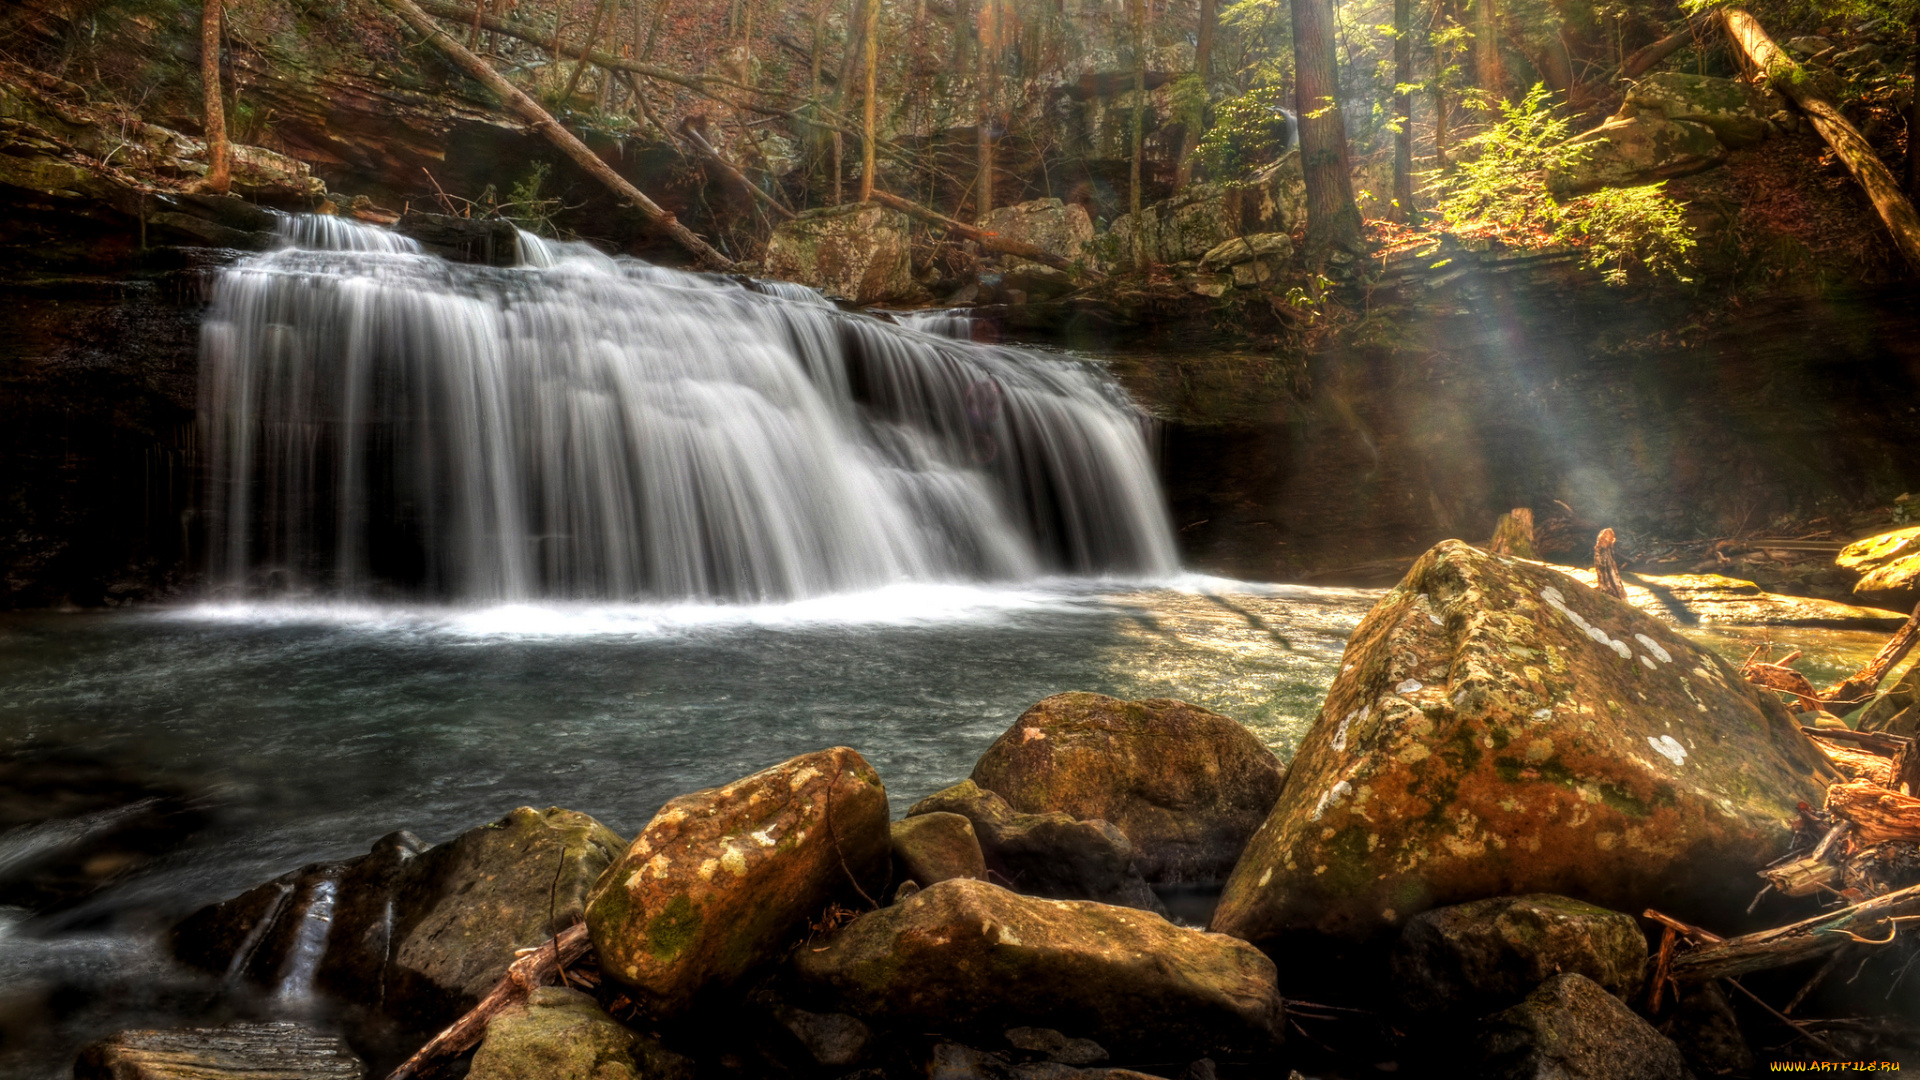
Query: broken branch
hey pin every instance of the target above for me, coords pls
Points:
(1804, 940)
(988, 240)
(533, 969)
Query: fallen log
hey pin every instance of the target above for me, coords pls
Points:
(1805, 940)
(1643, 60)
(1856, 688)
(1855, 764)
(988, 240)
(1872, 741)
(543, 122)
(535, 968)
(1750, 39)
(1879, 814)
(1606, 571)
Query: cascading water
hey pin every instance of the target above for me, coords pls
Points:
(584, 427)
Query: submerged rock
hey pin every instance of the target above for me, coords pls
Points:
(1471, 959)
(1186, 785)
(1497, 729)
(423, 932)
(277, 1051)
(933, 847)
(720, 880)
(1571, 1029)
(857, 252)
(970, 956)
(556, 1034)
(1052, 854)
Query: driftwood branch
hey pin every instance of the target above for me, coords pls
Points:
(543, 122)
(1786, 76)
(1799, 941)
(988, 240)
(1857, 687)
(1606, 571)
(535, 968)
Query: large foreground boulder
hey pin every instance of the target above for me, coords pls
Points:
(1054, 855)
(1471, 959)
(1186, 785)
(968, 956)
(1571, 1029)
(1499, 729)
(425, 932)
(720, 880)
(279, 1051)
(857, 252)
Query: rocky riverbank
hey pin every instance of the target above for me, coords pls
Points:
(1449, 878)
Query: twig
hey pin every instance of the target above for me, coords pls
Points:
(529, 971)
(1825, 1046)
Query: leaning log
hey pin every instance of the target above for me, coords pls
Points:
(1643, 60)
(1804, 940)
(987, 240)
(535, 968)
(543, 122)
(1786, 76)
(1879, 814)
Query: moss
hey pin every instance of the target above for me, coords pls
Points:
(673, 929)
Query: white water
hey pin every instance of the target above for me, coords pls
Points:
(380, 421)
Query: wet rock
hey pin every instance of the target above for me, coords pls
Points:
(934, 847)
(1052, 854)
(1054, 1046)
(1038, 282)
(1888, 565)
(1472, 959)
(72, 824)
(556, 1034)
(1736, 112)
(1061, 229)
(1705, 1029)
(1500, 729)
(834, 1039)
(1186, 785)
(1715, 600)
(1628, 151)
(1571, 1028)
(488, 241)
(952, 1061)
(968, 955)
(424, 932)
(720, 880)
(278, 1051)
(1204, 216)
(857, 252)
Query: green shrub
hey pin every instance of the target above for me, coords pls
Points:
(1248, 132)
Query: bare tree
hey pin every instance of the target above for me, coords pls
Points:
(219, 154)
(1137, 13)
(869, 114)
(1403, 108)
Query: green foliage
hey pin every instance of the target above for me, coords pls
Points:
(525, 205)
(1500, 189)
(1248, 132)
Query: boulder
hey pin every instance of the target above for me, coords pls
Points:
(1571, 1029)
(556, 1034)
(970, 956)
(1272, 247)
(937, 846)
(1628, 151)
(952, 1061)
(1054, 1046)
(834, 1039)
(1735, 111)
(1204, 216)
(426, 932)
(275, 1051)
(1498, 728)
(1058, 228)
(1038, 282)
(1186, 785)
(857, 252)
(1052, 855)
(1888, 565)
(1704, 1027)
(1472, 959)
(720, 880)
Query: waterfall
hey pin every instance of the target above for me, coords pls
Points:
(380, 421)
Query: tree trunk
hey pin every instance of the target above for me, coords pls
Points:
(1486, 49)
(1751, 39)
(1333, 221)
(1203, 68)
(586, 49)
(988, 80)
(1138, 11)
(1403, 106)
(219, 155)
(1913, 120)
(1643, 60)
(543, 122)
(869, 111)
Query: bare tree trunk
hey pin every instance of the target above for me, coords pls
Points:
(1913, 121)
(988, 78)
(987, 240)
(869, 111)
(963, 34)
(1403, 106)
(219, 155)
(1486, 49)
(1138, 12)
(1333, 221)
(1751, 39)
(586, 49)
(543, 122)
(1202, 67)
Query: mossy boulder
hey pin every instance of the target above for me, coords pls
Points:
(1186, 785)
(1736, 112)
(1497, 729)
(858, 252)
(721, 880)
(1888, 565)
(1056, 227)
(934, 847)
(1572, 1029)
(970, 957)
(1628, 151)
(1273, 247)
(556, 1034)
(1203, 216)
(1054, 854)
(1471, 959)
